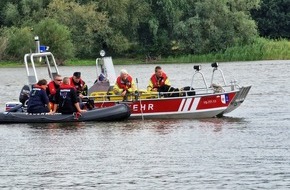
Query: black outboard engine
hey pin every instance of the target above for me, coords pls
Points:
(24, 95)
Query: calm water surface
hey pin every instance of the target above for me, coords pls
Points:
(247, 149)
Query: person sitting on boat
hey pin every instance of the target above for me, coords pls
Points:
(53, 86)
(124, 85)
(79, 84)
(159, 82)
(66, 99)
(101, 78)
(38, 100)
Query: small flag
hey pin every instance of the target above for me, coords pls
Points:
(225, 98)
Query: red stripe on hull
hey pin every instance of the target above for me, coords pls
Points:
(174, 104)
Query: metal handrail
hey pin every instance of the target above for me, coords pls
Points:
(222, 74)
(198, 72)
(30, 57)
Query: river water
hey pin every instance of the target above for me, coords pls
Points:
(246, 149)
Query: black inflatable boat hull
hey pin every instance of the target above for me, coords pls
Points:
(115, 113)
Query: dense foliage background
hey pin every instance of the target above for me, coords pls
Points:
(144, 28)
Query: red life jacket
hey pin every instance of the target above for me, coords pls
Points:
(52, 88)
(78, 86)
(124, 84)
(66, 86)
(158, 82)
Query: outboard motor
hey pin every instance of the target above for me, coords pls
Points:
(24, 95)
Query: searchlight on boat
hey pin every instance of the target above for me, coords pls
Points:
(197, 67)
(102, 53)
(215, 65)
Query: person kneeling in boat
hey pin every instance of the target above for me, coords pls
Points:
(124, 85)
(66, 99)
(38, 100)
(53, 86)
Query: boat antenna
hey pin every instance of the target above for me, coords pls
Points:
(139, 99)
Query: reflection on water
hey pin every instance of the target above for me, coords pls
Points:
(246, 149)
(63, 126)
(218, 123)
(162, 126)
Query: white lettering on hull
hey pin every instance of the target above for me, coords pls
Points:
(143, 107)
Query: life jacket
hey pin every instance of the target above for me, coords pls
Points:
(37, 87)
(125, 84)
(51, 91)
(52, 88)
(158, 82)
(80, 86)
(66, 86)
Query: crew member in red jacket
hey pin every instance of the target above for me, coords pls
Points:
(53, 86)
(80, 85)
(124, 84)
(159, 82)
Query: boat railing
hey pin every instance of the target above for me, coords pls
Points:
(215, 68)
(41, 53)
(233, 85)
(213, 87)
(105, 66)
(142, 94)
(29, 61)
(198, 72)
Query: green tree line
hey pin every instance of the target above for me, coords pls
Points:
(132, 28)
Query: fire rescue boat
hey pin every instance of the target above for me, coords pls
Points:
(187, 103)
(212, 100)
